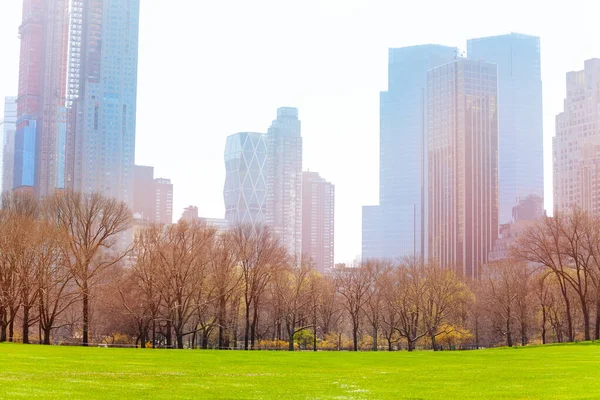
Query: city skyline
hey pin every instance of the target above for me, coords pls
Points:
(329, 108)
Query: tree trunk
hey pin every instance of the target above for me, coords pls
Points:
(205, 339)
(374, 337)
(509, 341)
(47, 335)
(291, 341)
(247, 330)
(586, 319)
(169, 335)
(389, 340)
(543, 325)
(86, 310)
(26, 321)
(11, 327)
(434, 344)
(179, 340)
(254, 326)
(411, 344)
(355, 338)
(2, 324)
(153, 333)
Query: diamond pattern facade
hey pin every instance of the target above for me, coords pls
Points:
(245, 181)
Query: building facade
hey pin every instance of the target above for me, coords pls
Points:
(190, 214)
(245, 188)
(284, 180)
(576, 145)
(8, 126)
(40, 137)
(152, 198)
(396, 228)
(163, 194)
(101, 96)
(318, 220)
(520, 136)
(462, 208)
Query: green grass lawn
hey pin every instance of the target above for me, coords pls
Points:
(544, 372)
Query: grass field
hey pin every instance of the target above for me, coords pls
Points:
(550, 372)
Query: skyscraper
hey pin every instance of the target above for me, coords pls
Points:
(462, 164)
(102, 89)
(520, 138)
(576, 146)
(284, 180)
(395, 227)
(41, 115)
(7, 130)
(318, 216)
(245, 188)
(163, 195)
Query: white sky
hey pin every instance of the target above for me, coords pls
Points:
(208, 69)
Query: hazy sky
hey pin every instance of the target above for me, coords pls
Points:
(208, 69)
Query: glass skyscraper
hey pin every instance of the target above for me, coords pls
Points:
(245, 180)
(102, 89)
(462, 138)
(520, 142)
(7, 129)
(40, 138)
(284, 180)
(395, 228)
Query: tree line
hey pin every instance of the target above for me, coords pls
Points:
(67, 276)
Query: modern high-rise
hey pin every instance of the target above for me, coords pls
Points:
(101, 96)
(318, 217)
(163, 194)
(395, 227)
(576, 146)
(245, 187)
(8, 127)
(190, 214)
(284, 180)
(520, 136)
(40, 138)
(462, 111)
(152, 198)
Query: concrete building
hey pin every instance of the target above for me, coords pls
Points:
(245, 187)
(462, 110)
(163, 193)
(40, 137)
(576, 145)
(395, 228)
(152, 198)
(189, 214)
(101, 96)
(284, 180)
(8, 126)
(318, 220)
(520, 135)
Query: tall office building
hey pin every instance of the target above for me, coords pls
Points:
(576, 146)
(101, 96)
(190, 214)
(462, 164)
(8, 127)
(520, 137)
(245, 188)
(152, 198)
(395, 228)
(284, 180)
(318, 217)
(163, 195)
(41, 115)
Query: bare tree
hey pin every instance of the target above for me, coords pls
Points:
(353, 285)
(259, 255)
(93, 224)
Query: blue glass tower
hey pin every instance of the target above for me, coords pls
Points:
(102, 87)
(395, 228)
(520, 138)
